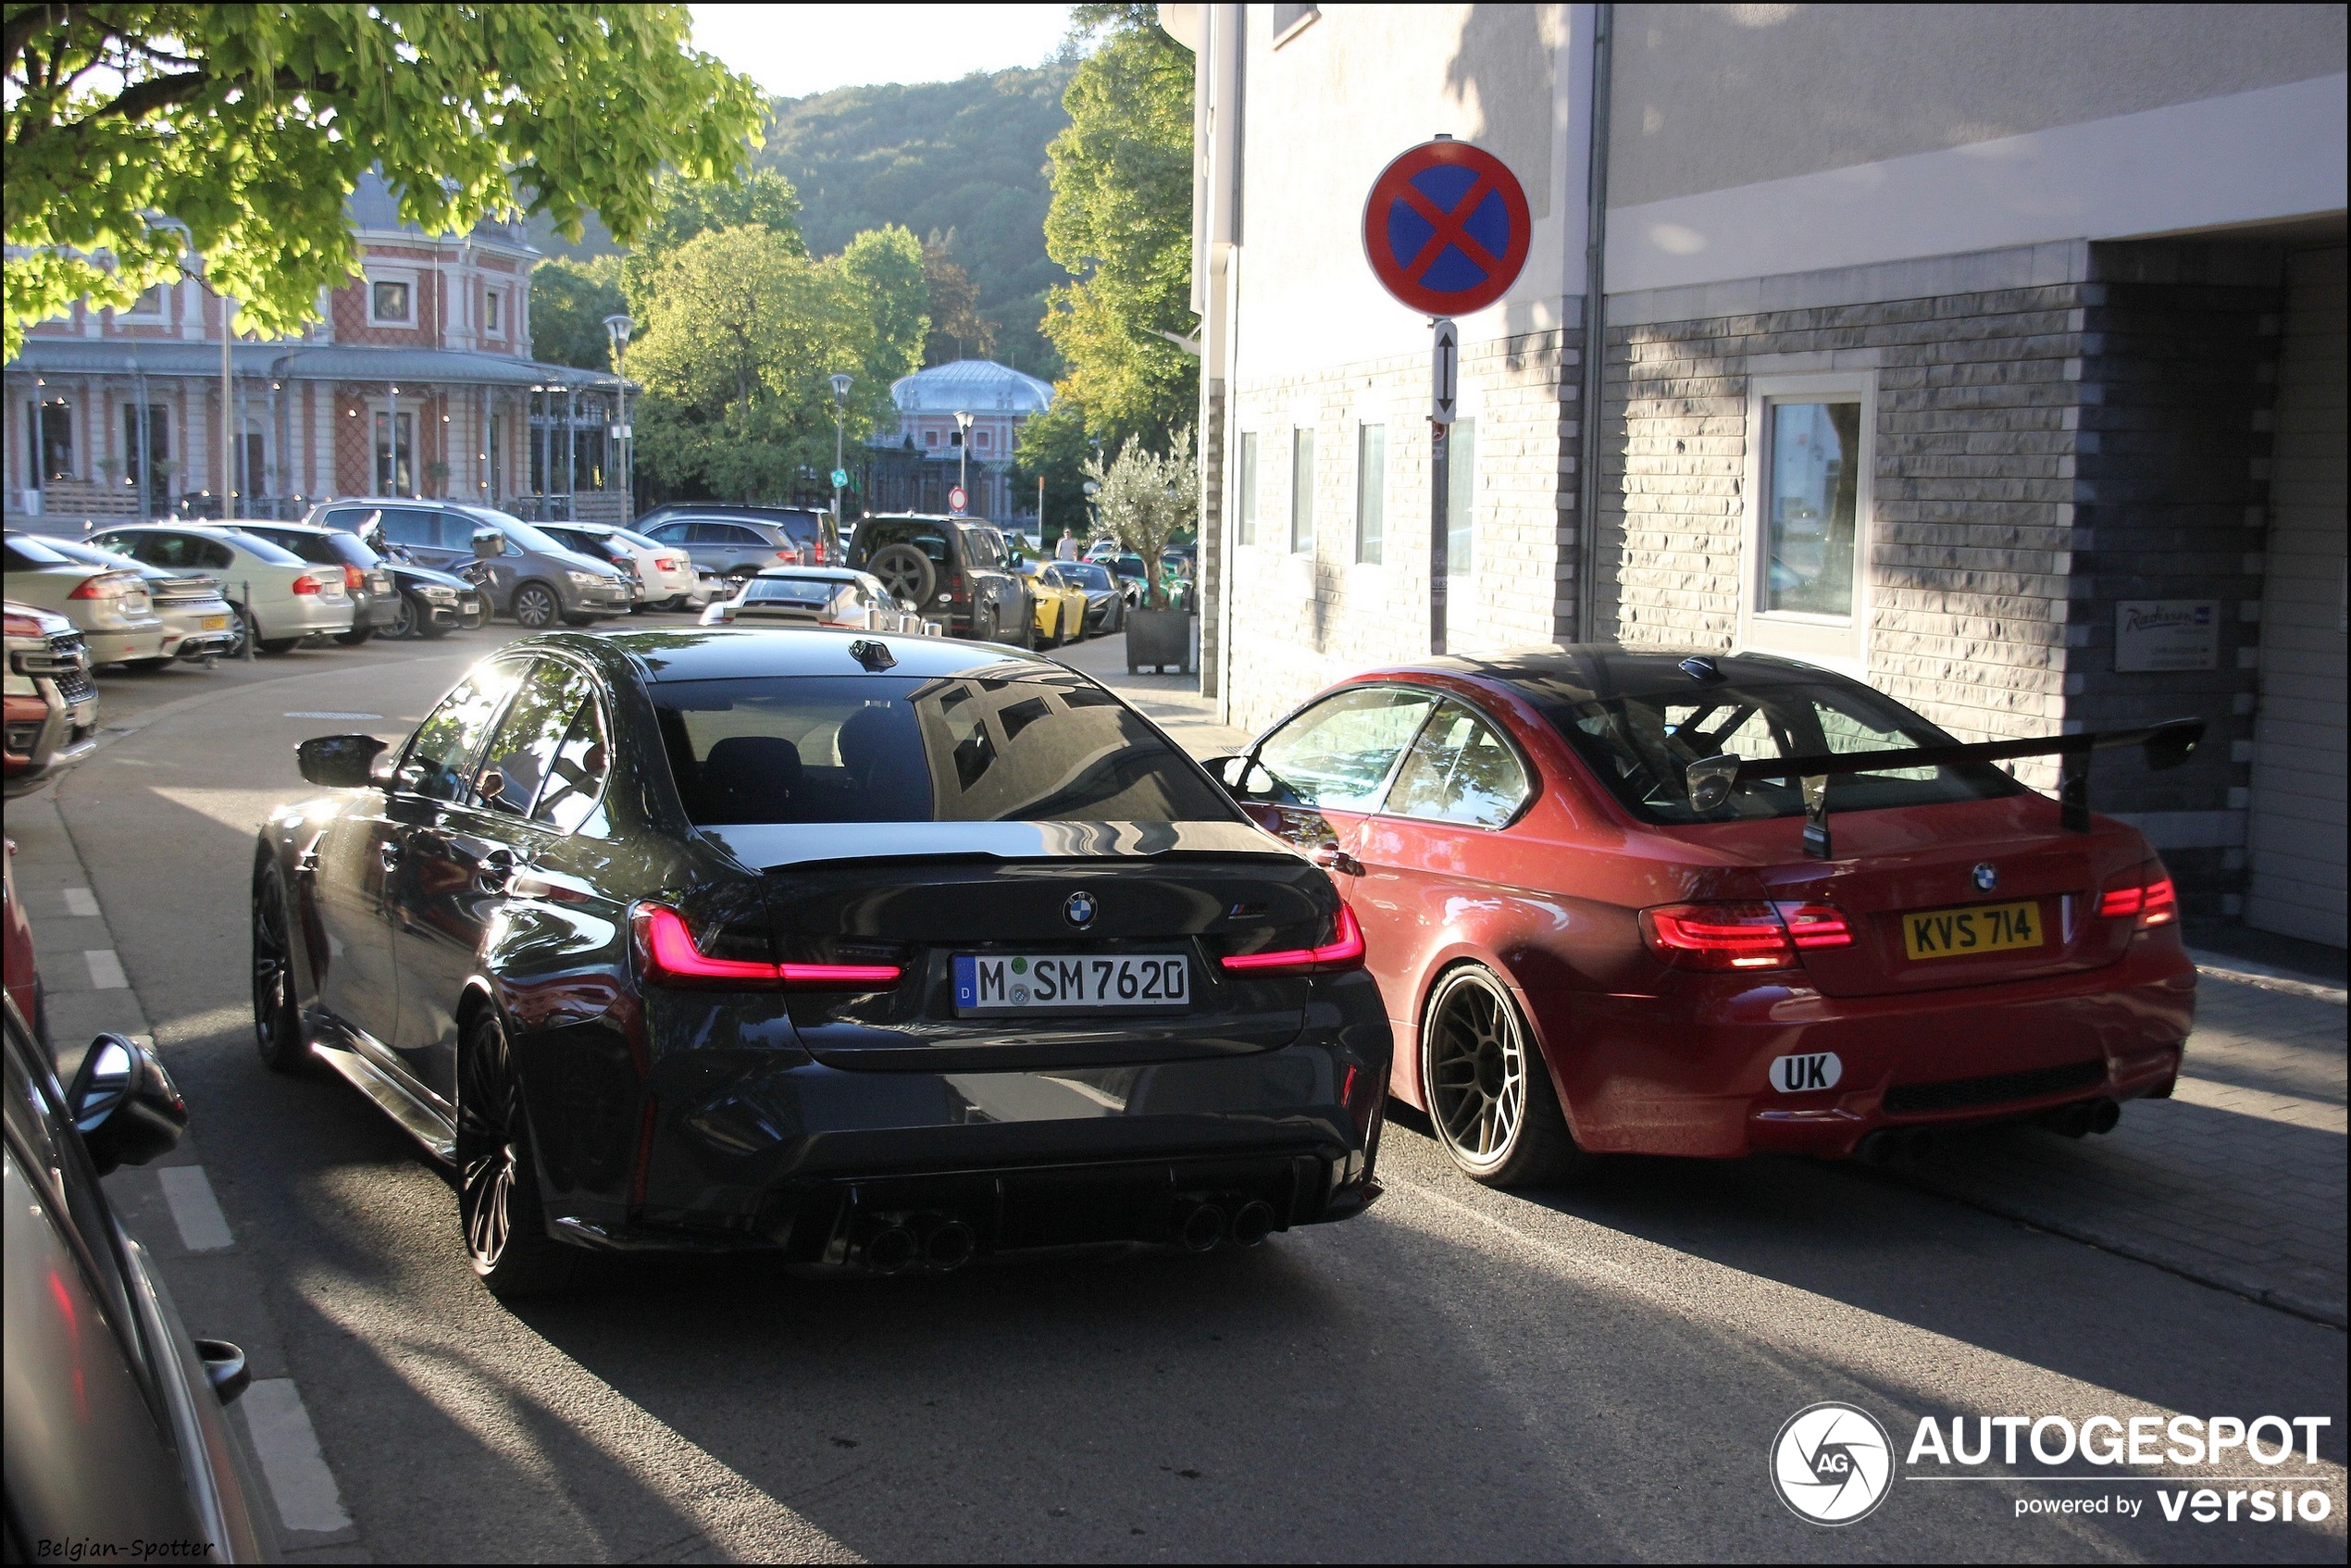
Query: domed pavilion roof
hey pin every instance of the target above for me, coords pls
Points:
(975, 386)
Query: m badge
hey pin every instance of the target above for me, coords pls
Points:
(1807, 1075)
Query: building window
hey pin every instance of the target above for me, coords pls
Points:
(930, 438)
(1290, 20)
(394, 467)
(1301, 490)
(388, 303)
(496, 457)
(1371, 493)
(254, 478)
(1461, 498)
(1805, 587)
(981, 440)
(53, 440)
(490, 303)
(1246, 504)
(157, 446)
(148, 306)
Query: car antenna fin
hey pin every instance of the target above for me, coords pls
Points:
(875, 656)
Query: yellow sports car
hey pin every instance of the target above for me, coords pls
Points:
(1061, 608)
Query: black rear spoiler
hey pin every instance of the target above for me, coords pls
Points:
(2167, 745)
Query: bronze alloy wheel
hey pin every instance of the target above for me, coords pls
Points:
(497, 1189)
(277, 1024)
(1489, 1094)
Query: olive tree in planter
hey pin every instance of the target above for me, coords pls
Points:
(1144, 498)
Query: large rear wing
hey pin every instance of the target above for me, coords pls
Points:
(2167, 745)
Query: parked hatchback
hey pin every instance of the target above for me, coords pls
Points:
(809, 534)
(667, 578)
(109, 606)
(951, 570)
(531, 577)
(280, 597)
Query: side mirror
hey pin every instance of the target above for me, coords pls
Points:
(2173, 743)
(124, 1104)
(1244, 778)
(339, 762)
(488, 543)
(1709, 780)
(719, 613)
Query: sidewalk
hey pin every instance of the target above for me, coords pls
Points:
(1172, 702)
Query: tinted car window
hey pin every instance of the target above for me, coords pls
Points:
(439, 764)
(1338, 752)
(524, 748)
(31, 554)
(1640, 747)
(519, 533)
(216, 554)
(1043, 748)
(416, 525)
(672, 533)
(982, 548)
(1459, 769)
(351, 517)
(1083, 574)
(726, 533)
(312, 547)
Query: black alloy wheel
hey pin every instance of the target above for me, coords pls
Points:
(277, 1024)
(1489, 1095)
(505, 1226)
(407, 616)
(536, 605)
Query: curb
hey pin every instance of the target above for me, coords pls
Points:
(2263, 978)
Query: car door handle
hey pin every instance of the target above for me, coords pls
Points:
(389, 853)
(1330, 857)
(493, 871)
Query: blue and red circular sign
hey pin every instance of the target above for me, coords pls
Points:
(1447, 228)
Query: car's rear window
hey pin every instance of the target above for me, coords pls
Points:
(1027, 748)
(1642, 745)
(315, 548)
(24, 555)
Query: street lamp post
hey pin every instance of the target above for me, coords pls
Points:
(964, 450)
(841, 384)
(618, 326)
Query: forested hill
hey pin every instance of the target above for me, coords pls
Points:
(962, 157)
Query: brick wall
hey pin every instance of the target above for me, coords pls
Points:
(1301, 620)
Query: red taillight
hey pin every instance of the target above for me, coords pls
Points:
(666, 562)
(666, 956)
(1816, 924)
(821, 555)
(106, 585)
(1343, 951)
(313, 582)
(25, 626)
(1720, 936)
(2148, 896)
(788, 557)
(354, 579)
(957, 586)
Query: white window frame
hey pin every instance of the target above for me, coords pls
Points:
(1836, 643)
(493, 312)
(1245, 518)
(160, 313)
(406, 278)
(1364, 421)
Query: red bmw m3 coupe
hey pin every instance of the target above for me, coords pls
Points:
(1658, 902)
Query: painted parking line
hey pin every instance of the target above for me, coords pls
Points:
(202, 1227)
(80, 902)
(105, 970)
(327, 713)
(288, 1446)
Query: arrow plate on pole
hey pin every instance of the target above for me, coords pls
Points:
(1444, 388)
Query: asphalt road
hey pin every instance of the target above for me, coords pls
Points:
(1593, 1372)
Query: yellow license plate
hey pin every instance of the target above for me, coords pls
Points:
(1984, 927)
(214, 623)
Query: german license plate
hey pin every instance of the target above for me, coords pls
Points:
(1983, 928)
(1058, 983)
(213, 623)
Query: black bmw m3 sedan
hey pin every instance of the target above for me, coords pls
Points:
(879, 951)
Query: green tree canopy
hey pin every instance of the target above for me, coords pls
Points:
(738, 335)
(957, 329)
(568, 303)
(1054, 447)
(685, 207)
(1146, 498)
(251, 124)
(1121, 224)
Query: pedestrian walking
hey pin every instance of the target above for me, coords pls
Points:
(1066, 549)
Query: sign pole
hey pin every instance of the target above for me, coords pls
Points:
(1444, 359)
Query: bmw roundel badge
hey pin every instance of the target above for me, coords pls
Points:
(1079, 910)
(1988, 875)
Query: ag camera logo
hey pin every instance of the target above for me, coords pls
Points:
(1831, 1464)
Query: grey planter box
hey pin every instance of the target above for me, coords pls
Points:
(1157, 639)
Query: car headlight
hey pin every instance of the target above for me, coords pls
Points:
(587, 579)
(434, 594)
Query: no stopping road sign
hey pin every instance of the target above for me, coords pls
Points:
(1447, 228)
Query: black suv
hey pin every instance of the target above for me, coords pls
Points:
(953, 570)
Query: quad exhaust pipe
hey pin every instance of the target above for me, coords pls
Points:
(937, 1243)
(1202, 1225)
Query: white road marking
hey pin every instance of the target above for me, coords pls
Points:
(307, 1497)
(305, 713)
(80, 902)
(202, 1227)
(105, 970)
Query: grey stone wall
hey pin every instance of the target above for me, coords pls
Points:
(1301, 621)
(2041, 452)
